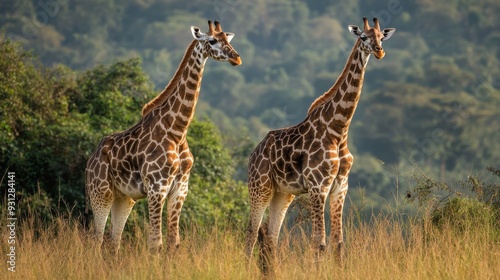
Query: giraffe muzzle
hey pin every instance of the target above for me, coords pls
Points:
(379, 54)
(235, 59)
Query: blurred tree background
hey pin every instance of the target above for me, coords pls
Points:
(432, 102)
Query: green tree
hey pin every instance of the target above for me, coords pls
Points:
(213, 196)
(35, 120)
(52, 119)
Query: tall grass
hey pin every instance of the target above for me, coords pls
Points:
(384, 248)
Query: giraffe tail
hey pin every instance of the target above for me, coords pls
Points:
(86, 196)
(86, 215)
(87, 187)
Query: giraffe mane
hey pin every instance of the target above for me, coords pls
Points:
(169, 89)
(333, 90)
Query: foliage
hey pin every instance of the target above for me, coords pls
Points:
(468, 205)
(35, 121)
(213, 196)
(464, 214)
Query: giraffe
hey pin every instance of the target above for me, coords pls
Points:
(311, 157)
(152, 159)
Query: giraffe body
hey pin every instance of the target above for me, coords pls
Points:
(311, 157)
(152, 159)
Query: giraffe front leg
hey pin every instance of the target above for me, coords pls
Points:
(337, 199)
(318, 199)
(336, 234)
(157, 194)
(175, 202)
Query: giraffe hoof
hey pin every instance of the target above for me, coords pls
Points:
(322, 247)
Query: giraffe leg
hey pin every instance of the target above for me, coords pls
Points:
(257, 210)
(101, 201)
(260, 192)
(157, 194)
(259, 200)
(336, 235)
(99, 189)
(337, 199)
(122, 205)
(174, 205)
(277, 210)
(318, 199)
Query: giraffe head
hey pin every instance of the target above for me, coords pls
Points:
(372, 37)
(216, 43)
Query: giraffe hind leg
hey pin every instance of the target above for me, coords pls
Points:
(265, 249)
(101, 200)
(260, 196)
(257, 209)
(99, 189)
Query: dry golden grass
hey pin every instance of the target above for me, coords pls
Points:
(383, 249)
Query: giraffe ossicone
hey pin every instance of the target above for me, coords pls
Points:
(152, 159)
(311, 157)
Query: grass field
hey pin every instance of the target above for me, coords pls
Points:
(385, 248)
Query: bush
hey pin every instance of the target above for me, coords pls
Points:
(464, 214)
(467, 205)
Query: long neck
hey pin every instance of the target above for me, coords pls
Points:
(336, 107)
(177, 111)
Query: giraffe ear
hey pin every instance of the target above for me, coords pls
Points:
(229, 36)
(387, 32)
(197, 34)
(355, 30)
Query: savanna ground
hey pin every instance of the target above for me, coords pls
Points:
(391, 246)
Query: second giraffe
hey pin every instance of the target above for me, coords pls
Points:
(311, 157)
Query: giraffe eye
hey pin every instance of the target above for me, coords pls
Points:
(212, 41)
(363, 38)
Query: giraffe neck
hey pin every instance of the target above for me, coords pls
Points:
(178, 107)
(337, 106)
